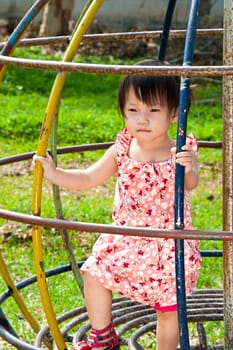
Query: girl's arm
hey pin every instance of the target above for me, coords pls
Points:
(188, 159)
(79, 179)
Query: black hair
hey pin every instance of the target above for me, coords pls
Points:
(150, 89)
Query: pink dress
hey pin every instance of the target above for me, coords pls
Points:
(141, 268)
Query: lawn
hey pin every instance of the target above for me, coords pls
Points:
(88, 114)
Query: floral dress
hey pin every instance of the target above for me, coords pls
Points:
(143, 268)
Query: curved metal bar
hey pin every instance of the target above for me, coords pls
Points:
(88, 147)
(120, 230)
(52, 107)
(59, 212)
(30, 280)
(15, 294)
(166, 30)
(6, 324)
(179, 177)
(14, 38)
(62, 67)
(8, 49)
(105, 37)
(85, 9)
(17, 343)
(56, 190)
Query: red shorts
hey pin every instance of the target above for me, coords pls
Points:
(169, 308)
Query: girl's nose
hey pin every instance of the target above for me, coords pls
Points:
(143, 118)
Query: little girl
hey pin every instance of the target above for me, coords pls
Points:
(144, 157)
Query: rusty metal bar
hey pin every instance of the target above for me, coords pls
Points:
(228, 175)
(197, 71)
(105, 37)
(122, 230)
(88, 147)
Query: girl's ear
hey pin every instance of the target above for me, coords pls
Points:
(174, 116)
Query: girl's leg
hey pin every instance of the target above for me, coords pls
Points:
(98, 302)
(167, 330)
(99, 308)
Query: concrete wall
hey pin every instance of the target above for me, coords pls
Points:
(149, 13)
(124, 14)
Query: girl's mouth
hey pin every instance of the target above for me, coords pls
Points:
(143, 130)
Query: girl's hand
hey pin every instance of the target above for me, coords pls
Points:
(187, 158)
(47, 163)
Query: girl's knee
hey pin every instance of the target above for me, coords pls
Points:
(88, 279)
(91, 283)
(168, 317)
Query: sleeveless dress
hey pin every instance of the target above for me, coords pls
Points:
(141, 268)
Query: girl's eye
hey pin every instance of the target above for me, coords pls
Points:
(132, 110)
(154, 110)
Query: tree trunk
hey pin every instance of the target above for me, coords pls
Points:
(56, 17)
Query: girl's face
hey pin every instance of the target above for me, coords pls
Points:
(145, 121)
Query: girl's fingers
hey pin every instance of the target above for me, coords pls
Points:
(173, 150)
(41, 160)
(187, 148)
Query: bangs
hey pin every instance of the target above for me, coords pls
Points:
(151, 90)
(148, 92)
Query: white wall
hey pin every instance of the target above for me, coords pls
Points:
(147, 13)
(124, 14)
(11, 9)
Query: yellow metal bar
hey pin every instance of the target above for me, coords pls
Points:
(52, 107)
(2, 72)
(85, 9)
(15, 294)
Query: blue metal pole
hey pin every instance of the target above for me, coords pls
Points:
(179, 178)
(166, 29)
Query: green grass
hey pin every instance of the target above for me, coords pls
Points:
(88, 113)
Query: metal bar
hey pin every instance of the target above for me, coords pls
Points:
(195, 71)
(166, 30)
(14, 38)
(30, 280)
(179, 178)
(228, 174)
(211, 253)
(52, 107)
(17, 343)
(87, 147)
(59, 212)
(105, 37)
(6, 324)
(15, 294)
(121, 230)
